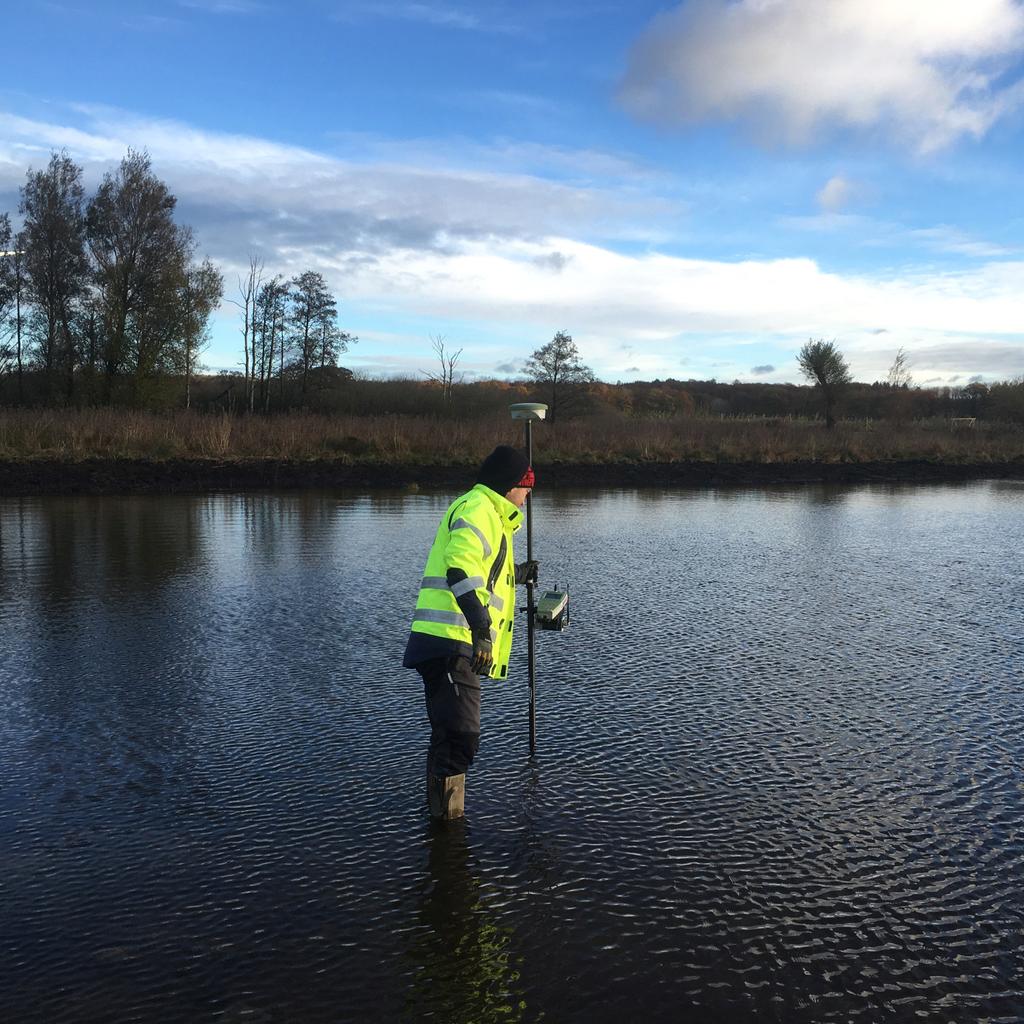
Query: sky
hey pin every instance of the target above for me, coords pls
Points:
(690, 190)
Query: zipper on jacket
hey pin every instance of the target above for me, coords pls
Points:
(497, 564)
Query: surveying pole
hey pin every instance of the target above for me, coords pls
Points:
(528, 412)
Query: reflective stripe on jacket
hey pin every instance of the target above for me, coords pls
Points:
(475, 535)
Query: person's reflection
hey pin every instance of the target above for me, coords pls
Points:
(465, 970)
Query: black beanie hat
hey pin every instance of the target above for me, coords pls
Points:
(503, 469)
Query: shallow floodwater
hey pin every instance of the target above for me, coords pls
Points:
(780, 773)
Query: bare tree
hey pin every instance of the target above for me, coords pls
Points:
(899, 381)
(899, 372)
(557, 368)
(448, 360)
(823, 364)
(248, 290)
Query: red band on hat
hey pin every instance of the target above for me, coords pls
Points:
(528, 478)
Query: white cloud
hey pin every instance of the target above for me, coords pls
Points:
(668, 306)
(946, 238)
(837, 193)
(518, 256)
(242, 192)
(926, 71)
(23, 140)
(653, 297)
(866, 232)
(975, 354)
(505, 156)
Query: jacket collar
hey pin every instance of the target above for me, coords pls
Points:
(505, 509)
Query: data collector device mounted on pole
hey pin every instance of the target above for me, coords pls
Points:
(552, 612)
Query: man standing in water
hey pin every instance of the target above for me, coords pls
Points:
(462, 626)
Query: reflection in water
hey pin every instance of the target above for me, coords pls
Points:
(781, 748)
(52, 547)
(465, 969)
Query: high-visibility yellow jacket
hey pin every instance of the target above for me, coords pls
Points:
(475, 536)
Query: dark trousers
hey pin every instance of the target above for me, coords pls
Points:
(452, 692)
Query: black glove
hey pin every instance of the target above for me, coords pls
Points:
(483, 658)
(526, 572)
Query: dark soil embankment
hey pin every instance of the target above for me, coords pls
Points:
(140, 476)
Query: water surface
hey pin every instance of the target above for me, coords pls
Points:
(779, 773)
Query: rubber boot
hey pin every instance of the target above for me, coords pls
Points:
(447, 796)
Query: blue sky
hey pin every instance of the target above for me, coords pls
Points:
(690, 190)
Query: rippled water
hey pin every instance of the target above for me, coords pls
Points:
(779, 773)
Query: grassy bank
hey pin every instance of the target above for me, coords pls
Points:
(72, 435)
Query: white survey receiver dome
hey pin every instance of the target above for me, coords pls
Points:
(528, 410)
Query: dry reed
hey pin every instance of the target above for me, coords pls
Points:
(393, 439)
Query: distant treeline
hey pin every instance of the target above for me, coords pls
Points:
(346, 394)
(336, 390)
